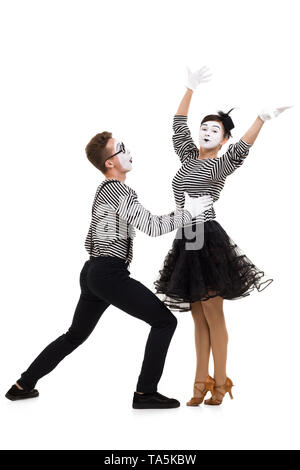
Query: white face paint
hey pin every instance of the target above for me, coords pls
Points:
(124, 157)
(210, 134)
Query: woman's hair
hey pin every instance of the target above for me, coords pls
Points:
(96, 150)
(224, 118)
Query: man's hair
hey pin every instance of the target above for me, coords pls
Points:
(96, 150)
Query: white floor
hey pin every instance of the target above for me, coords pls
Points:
(86, 402)
(103, 420)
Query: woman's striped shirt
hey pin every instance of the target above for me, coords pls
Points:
(199, 177)
(116, 212)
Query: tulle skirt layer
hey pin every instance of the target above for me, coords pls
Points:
(202, 263)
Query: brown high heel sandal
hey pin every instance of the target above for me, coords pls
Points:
(209, 387)
(217, 401)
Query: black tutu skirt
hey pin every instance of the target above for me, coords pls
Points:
(202, 263)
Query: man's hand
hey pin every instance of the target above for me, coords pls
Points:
(197, 205)
(199, 76)
(270, 113)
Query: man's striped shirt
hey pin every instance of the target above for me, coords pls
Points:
(116, 212)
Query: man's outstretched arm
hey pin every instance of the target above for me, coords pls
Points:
(124, 201)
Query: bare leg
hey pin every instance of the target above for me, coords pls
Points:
(213, 312)
(202, 343)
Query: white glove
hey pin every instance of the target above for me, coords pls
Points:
(199, 76)
(197, 205)
(269, 113)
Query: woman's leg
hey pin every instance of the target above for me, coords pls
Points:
(213, 312)
(202, 344)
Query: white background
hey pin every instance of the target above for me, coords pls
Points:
(71, 69)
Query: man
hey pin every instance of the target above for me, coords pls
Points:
(105, 280)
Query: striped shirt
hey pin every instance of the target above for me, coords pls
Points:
(116, 212)
(199, 177)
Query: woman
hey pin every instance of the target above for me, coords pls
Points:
(199, 275)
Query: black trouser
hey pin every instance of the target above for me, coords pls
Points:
(105, 280)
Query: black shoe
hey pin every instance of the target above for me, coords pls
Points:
(14, 393)
(153, 400)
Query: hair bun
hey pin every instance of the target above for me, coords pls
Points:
(226, 120)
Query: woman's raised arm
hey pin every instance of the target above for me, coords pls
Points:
(193, 80)
(250, 136)
(264, 115)
(183, 108)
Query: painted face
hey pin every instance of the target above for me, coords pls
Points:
(124, 157)
(210, 134)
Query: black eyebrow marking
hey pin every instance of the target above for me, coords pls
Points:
(214, 125)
